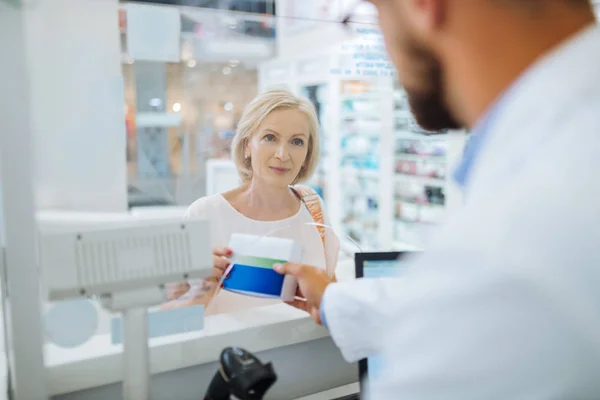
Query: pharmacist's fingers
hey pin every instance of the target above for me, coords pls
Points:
(290, 269)
(299, 304)
(304, 306)
(316, 315)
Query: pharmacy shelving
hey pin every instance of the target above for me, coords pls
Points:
(419, 176)
(360, 146)
(317, 94)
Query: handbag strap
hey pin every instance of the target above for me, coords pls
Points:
(313, 203)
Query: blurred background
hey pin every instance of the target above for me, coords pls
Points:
(182, 114)
(133, 106)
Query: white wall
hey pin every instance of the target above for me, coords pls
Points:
(22, 314)
(77, 105)
(321, 36)
(313, 37)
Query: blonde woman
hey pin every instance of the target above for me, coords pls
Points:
(275, 148)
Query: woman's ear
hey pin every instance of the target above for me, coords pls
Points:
(246, 149)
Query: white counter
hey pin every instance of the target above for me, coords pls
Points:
(98, 362)
(334, 393)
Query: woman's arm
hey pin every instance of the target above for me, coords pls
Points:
(176, 290)
(200, 292)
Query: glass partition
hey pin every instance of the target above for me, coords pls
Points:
(382, 178)
(182, 114)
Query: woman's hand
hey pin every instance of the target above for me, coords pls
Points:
(220, 261)
(200, 293)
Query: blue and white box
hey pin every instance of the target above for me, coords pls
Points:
(252, 273)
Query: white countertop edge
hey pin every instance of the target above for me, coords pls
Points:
(255, 330)
(341, 391)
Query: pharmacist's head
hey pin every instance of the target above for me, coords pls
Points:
(277, 139)
(406, 27)
(455, 57)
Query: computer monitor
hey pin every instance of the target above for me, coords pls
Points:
(375, 265)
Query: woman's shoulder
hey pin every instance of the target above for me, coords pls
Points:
(204, 206)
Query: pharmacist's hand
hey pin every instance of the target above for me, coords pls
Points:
(312, 283)
(220, 261)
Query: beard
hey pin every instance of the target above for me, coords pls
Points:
(431, 113)
(428, 102)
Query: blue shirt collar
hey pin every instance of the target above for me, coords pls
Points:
(473, 147)
(482, 130)
(479, 135)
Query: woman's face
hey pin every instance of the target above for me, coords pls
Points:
(279, 147)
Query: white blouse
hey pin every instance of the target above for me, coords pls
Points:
(225, 220)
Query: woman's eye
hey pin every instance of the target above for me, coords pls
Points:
(298, 142)
(269, 137)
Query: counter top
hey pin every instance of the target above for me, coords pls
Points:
(98, 362)
(334, 393)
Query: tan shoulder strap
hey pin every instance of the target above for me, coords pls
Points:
(311, 199)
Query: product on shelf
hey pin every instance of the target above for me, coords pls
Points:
(416, 192)
(406, 167)
(420, 166)
(358, 145)
(435, 195)
(425, 147)
(431, 169)
(408, 212)
(411, 191)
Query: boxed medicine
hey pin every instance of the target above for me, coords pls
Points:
(253, 258)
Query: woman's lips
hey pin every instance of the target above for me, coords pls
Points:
(280, 171)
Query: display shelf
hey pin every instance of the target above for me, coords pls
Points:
(317, 94)
(420, 202)
(358, 172)
(424, 180)
(420, 157)
(420, 176)
(409, 135)
(360, 145)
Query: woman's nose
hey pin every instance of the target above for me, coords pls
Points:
(282, 153)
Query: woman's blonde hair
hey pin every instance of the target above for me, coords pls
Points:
(254, 114)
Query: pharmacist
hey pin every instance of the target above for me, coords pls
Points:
(504, 303)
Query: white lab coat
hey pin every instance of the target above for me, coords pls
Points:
(505, 302)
